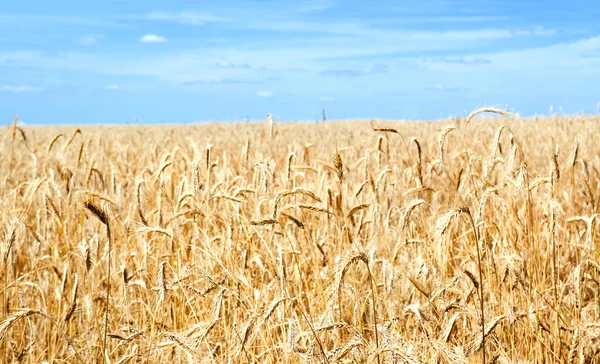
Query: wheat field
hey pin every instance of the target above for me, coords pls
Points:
(454, 241)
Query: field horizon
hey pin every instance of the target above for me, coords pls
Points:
(137, 122)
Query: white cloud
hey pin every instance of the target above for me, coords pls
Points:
(19, 89)
(90, 39)
(112, 87)
(326, 98)
(264, 94)
(184, 17)
(152, 38)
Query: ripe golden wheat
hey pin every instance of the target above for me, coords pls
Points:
(331, 242)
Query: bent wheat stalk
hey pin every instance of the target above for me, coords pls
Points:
(99, 212)
(441, 229)
(10, 321)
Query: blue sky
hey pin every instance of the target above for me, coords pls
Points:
(78, 62)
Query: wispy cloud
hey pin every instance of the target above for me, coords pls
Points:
(19, 89)
(327, 56)
(376, 68)
(264, 94)
(538, 31)
(326, 98)
(90, 39)
(350, 73)
(392, 29)
(342, 73)
(458, 60)
(578, 55)
(113, 87)
(234, 65)
(445, 19)
(224, 81)
(184, 17)
(446, 88)
(152, 38)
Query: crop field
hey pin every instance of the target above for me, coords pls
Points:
(453, 241)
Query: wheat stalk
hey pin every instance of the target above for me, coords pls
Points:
(101, 214)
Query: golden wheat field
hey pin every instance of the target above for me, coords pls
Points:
(455, 241)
